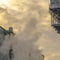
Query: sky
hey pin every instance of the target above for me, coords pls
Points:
(32, 24)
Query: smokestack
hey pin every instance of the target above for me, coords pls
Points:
(10, 29)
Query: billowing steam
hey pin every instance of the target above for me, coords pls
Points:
(25, 18)
(31, 22)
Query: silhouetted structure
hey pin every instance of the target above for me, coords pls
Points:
(4, 32)
(55, 14)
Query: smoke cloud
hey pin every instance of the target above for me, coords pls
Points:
(31, 22)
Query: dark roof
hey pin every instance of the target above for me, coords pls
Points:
(4, 31)
(2, 28)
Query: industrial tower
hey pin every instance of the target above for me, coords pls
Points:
(54, 9)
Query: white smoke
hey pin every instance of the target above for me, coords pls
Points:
(32, 21)
(27, 18)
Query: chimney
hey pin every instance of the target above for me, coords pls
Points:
(10, 29)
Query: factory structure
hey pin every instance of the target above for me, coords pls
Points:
(3, 34)
(55, 14)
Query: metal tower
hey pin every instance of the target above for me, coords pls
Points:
(55, 14)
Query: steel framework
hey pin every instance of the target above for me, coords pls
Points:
(55, 15)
